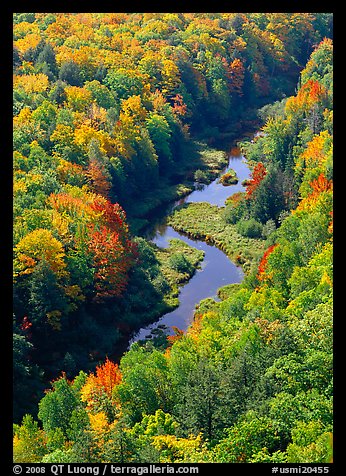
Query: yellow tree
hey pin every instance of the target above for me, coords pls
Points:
(78, 99)
(170, 77)
(35, 246)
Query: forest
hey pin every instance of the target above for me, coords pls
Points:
(116, 115)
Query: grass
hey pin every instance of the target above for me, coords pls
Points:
(227, 291)
(204, 221)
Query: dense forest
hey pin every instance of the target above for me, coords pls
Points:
(116, 114)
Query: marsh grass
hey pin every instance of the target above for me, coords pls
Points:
(204, 221)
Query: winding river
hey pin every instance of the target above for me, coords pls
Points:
(216, 269)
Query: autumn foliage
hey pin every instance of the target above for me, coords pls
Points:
(105, 378)
(258, 174)
(311, 93)
(321, 184)
(110, 260)
(104, 107)
(262, 267)
(320, 192)
(236, 73)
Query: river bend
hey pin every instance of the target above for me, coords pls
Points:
(216, 268)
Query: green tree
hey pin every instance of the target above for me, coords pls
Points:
(123, 83)
(57, 93)
(160, 134)
(27, 377)
(249, 436)
(146, 383)
(70, 73)
(305, 406)
(45, 116)
(101, 94)
(29, 443)
(312, 442)
(46, 297)
(57, 406)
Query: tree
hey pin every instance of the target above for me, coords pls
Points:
(143, 433)
(271, 195)
(47, 62)
(16, 57)
(257, 175)
(199, 401)
(47, 301)
(173, 449)
(78, 98)
(37, 245)
(65, 145)
(97, 391)
(263, 263)
(124, 82)
(319, 66)
(246, 438)
(170, 77)
(29, 442)
(27, 377)
(311, 443)
(160, 133)
(45, 116)
(57, 93)
(101, 94)
(305, 406)
(236, 77)
(32, 83)
(57, 406)
(97, 172)
(111, 262)
(119, 445)
(145, 386)
(70, 73)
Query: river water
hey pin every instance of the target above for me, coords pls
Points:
(216, 269)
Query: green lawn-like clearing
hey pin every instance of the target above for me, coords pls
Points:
(204, 221)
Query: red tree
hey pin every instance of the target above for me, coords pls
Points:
(107, 376)
(261, 275)
(112, 261)
(258, 174)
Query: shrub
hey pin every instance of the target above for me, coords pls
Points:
(228, 178)
(179, 263)
(161, 284)
(250, 228)
(201, 176)
(234, 211)
(231, 214)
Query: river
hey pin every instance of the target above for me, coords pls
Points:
(216, 269)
